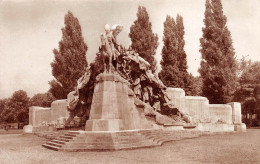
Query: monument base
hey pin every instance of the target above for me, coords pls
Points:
(214, 127)
(113, 107)
(240, 127)
(117, 140)
(103, 125)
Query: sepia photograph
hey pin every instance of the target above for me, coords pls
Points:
(129, 81)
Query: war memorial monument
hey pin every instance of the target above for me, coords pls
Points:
(121, 104)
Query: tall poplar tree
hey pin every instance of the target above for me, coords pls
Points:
(144, 41)
(70, 60)
(218, 65)
(174, 63)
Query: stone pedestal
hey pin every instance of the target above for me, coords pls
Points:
(236, 112)
(28, 129)
(177, 96)
(240, 128)
(113, 108)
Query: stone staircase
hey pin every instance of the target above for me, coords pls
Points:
(99, 141)
(162, 136)
(104, 141)
(59, 142)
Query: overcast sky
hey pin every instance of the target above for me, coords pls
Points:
(30, 30)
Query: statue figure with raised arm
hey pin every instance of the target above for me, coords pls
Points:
(110, 46)
(107, 46)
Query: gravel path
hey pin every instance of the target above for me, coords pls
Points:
(222, 148)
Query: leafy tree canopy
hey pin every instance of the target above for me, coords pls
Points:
(70, 60)
(144, 41)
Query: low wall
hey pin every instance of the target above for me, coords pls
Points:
(177, 96)
(220, 113)
(194, 106)
(59, 109)
(40, 115)
(213, 127)
(201, 111)
(198, 108)
(236, 112)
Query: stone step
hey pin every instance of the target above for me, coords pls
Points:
(150, 132)
(59, 141)
(51, 147)
(134, 145)
(74, 132)
(102, 141)
(82, 142)
(83, 149)
(62, 139)
(70, 135)
(87, 147)
(66, 137)
(54, 144)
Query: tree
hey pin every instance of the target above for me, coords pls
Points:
(218, 64)
(5, 110)
(144, 41)
(248, 91)
(19, 106)
(42, 99)
(174, 63)
(70, 60)
(197, 85)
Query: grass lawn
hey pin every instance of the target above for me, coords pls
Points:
(223, 148)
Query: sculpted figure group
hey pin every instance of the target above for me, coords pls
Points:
(149, 90)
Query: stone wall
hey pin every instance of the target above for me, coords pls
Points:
(38, 116)
(201, 111)
(198, 108)
(177, 96)
(213, 127)
(236, 112)
(59, 109)
(220, 113)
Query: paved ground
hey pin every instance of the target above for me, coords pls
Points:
(224, 148)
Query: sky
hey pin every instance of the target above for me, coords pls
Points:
(30, 30)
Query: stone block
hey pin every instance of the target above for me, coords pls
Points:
(59, 109)
(236, 112)
(213, 127)
(103, 125)
(177, 96)
(240, 127)
(28, 129)
(220, 113)
(198, 108)
(39, 115)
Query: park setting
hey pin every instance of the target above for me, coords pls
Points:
(130, 82)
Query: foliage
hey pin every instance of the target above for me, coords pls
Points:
(144, 41)
(174, 63)
(70, 60)
(197, 81)
(20, 106)
(248, 91)
(218, 65)
(42, 99)
(15, 108)
(5, 110)
(195, 84)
